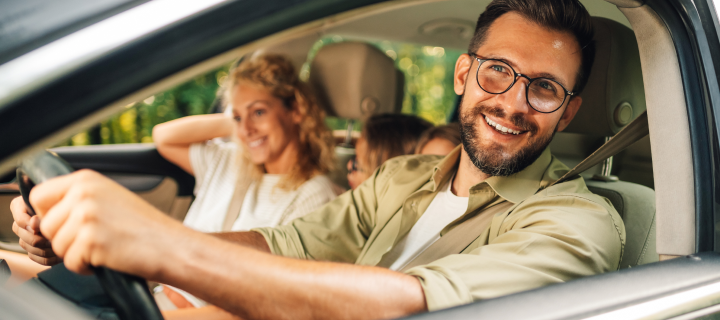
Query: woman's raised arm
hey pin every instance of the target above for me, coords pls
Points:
(173, 138)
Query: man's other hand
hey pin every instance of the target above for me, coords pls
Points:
(27, 228)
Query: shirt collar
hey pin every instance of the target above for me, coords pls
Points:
(513, 188)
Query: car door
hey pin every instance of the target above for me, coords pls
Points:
(686, 285)
(688, 282)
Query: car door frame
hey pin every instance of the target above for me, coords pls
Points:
(87, 90)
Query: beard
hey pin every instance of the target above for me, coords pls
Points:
(492, 158)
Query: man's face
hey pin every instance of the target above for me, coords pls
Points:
(530, 50)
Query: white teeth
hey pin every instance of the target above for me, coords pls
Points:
(500, 128)
(253, 144)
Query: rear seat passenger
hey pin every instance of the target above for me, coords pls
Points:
(354, 80)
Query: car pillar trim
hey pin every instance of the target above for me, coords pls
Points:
(667, 306)
(50, 62)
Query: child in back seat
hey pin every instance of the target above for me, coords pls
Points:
(384, 136)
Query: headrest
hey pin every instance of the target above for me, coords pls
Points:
(614, 94)
(355, 80)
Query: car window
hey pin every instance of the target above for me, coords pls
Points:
(428, 78)
(428, 94)
(135, 123)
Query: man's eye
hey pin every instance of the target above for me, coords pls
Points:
(498, 68)
(237, 118)
(259, 112)
(546, 85)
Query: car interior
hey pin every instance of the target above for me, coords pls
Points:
(354, 80)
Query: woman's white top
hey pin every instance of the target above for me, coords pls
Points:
(215, 171)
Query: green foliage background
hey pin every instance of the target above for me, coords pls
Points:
(428, 94)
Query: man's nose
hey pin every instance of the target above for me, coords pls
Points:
(514, 100)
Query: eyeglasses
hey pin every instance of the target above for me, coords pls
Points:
(353, 165)
(542, 94)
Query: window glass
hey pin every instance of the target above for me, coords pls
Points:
(428, 78)
(134, 125)
(428, 94)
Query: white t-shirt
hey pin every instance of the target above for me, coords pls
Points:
(445, 208)
(264, 205)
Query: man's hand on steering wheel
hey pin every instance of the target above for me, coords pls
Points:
(27, 228)
(93, 221)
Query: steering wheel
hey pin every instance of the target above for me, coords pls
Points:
(129, 294)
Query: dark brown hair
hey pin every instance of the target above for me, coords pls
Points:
(391, 135)
(559, 15)
(449, 132)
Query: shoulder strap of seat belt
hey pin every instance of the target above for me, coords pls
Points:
(633, 132)
(236, 202)
(457, 239)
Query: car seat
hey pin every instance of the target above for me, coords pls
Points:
(354, 80)
(614, 95)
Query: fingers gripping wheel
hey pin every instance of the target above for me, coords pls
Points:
(128, 293)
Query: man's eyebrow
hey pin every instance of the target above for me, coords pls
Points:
(510, 62)
(547, 75)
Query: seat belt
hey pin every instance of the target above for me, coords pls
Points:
(458, 238)
(633, 132)
(236, 203)
(462, 235)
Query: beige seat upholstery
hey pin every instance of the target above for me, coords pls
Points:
(613, 97)
(636, 205)
(354, 80)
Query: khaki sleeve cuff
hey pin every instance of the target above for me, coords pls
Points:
(283, 241)
(442, 289)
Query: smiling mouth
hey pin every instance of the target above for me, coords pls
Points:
(256, 143)
(504, 130)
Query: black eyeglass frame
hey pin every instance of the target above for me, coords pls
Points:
(353, 165)
(515, 77)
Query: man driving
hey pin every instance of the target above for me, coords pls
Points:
(392, 246)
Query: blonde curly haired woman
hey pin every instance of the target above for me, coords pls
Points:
(277, 158)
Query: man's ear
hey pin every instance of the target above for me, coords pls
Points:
(462, 67)
(569, 114)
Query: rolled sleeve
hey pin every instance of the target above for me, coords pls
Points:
(335, 232)
(540, 243)
(338, 231)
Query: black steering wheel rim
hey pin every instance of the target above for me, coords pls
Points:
(129, 294)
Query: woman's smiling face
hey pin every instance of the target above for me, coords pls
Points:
(266, 127)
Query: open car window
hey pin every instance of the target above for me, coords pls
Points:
(680, 167)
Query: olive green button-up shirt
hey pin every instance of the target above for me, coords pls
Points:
(549, 235)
